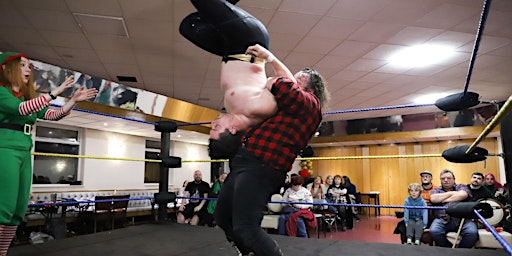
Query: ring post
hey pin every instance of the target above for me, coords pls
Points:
(163, 197)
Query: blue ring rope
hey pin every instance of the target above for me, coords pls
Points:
(491, 229)
(377, 108)
(127, 118)
(202, 123)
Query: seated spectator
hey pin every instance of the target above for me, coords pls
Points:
(287, 183)
(214, 193)
(193, 210)
(495, 188)
(181, 192)
(297, 193)
(449, 193)
(317, 188)
(415, 219)
(427, 185)
(337, 193)
(328, 180)
(475, 187)
(318, 191)
(354, 196)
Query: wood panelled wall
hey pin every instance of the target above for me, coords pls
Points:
(391, 176)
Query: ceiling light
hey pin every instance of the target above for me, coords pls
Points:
(105, 124)
(429, 98)
(421, 55)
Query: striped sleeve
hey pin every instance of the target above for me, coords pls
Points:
(55, 114)
(34, 105)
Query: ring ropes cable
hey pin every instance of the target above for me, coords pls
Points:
(334, 112)
(481, 26)
(225, 160)
(507, 107)
(491, 229)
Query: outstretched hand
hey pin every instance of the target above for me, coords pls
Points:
(68, 83)
(83, 94)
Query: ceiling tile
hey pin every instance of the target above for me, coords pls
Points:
(365, 65)
(357, 10)
(53, 20)
(335, 27)
(318, 7)
(156, 10)
(375, 32)
(63, 39)
(95, 7)
(448, 15)
(413, 36)
(293, 23)
(316, 45)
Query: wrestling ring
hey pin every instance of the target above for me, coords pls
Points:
(175, 239)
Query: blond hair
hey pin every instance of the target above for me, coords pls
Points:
(415, 187)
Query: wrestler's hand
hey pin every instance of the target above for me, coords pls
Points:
(182, 207)
(197, 208)
(260, 52)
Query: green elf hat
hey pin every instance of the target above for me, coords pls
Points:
(10, 56)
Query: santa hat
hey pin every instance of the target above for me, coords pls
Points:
(10, 56)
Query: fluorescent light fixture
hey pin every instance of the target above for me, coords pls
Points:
(421, 55)
(429, 98)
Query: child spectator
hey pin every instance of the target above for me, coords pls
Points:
(415, 219)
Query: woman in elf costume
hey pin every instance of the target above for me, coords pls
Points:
(19, 109)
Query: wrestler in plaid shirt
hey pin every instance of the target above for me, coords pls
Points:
(277, 141)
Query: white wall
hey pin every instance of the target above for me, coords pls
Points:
(99, 174)
(188, 151)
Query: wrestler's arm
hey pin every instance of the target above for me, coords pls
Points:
(280, 69)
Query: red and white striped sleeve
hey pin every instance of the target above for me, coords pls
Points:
(31, 106)
(55, 114)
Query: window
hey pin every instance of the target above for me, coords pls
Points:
(56, 169)
(152, 169)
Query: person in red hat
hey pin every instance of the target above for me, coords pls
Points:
(19, 110)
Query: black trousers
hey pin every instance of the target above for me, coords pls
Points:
(222, 28)
(241, 202)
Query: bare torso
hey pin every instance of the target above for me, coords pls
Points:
(244, 91)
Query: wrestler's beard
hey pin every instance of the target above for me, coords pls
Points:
(223, 148)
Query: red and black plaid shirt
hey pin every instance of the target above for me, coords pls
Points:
(278, 139)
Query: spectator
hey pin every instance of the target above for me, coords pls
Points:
(297, 193)
(449, 193)
(427, 186)
(214, 193)
(475, 187)
(495, 188)
(193, 210)
(416, 220)
(318, 191)
(317, 188)
(337, 193)
(354, 196)
(328, 180)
